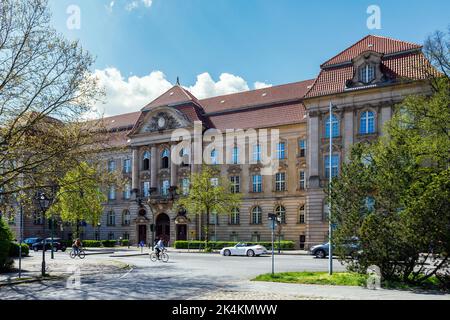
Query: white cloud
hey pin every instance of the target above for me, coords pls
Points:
(261, 85)
(206, 87)
(131, 94)
(109, 8)
(131, 5)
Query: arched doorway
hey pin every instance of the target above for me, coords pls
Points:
(162, 227)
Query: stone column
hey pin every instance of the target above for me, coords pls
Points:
(153, 167)
(313, 154)
(348, 133)
(135, 169)
(386, 114)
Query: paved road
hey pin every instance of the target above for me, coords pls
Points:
(191, 276)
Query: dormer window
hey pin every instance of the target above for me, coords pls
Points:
(367, 73)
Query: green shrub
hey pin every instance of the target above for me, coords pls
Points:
(217, 245)
(109, 243)
(14, 250)
(91, 243)
(5, 243)
(125, 242)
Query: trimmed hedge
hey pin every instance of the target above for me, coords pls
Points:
(14, 250)
(196, 244)
(125, 242)
(109, 243)
(91, 243)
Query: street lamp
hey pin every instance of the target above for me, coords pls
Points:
(273, 219)
(44, 204)
(98, 231)
(330, 230)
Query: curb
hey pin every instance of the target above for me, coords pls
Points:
(15, 282)
(128, 255)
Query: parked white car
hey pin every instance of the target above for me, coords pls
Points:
(243, 249)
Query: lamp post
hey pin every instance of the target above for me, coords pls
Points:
(330, 230)
(98, 231)
(44, 204)
(272, 219)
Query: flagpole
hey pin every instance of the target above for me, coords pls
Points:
(330, 250)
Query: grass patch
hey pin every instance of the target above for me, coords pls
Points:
(323, 278)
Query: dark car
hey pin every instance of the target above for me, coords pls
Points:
(351, 249)
(31, 241)
(57, 245)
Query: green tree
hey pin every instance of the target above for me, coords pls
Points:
(394, 194)
(206, 197)
(79, 197)
(6, 237)
(46, 89)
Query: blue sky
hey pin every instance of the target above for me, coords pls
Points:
(268, 41)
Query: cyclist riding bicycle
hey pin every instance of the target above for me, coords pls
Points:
(159, 247)
(77, 246)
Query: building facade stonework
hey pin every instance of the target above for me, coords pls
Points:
(363, 83)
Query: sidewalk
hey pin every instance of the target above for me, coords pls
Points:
(255, 290)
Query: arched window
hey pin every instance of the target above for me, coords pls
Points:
(214, 156)
(280, 211)
(334, 122)
(165, 159)
(146, 161)
(367, 73)
(256, 215)
(126, 217)
(234, 216)
(367, 122)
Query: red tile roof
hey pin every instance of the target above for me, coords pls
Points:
(374, 43)
(121, 121)
(173, 96)
(285, 92)
(400, 60)
(271, 116)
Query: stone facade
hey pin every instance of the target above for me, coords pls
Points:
(363, 83)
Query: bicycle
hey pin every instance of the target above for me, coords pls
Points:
(163, 256)
(81, 254)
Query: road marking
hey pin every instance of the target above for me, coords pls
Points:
(126, 273)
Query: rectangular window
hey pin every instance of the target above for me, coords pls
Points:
(214, 182)
(112, 193)
(111, 218)
(280, 181)
(235, 155)
(302, 180)
(127, 191)
(257, 153)
(234, 237)
(126, 236)
(111, 236)
(302, 148)
(256, 237)
(111, 165)
(127, 166)
(213, 218)
(146, 189)
(334, 166)
(235, 184)
(185, 186)
(38, 218)
(165, 187)
(257, 183)
(281, 150)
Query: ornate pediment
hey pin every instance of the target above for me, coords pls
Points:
(161, 121)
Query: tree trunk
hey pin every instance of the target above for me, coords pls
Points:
(207, 229)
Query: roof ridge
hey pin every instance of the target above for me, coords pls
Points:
(255, 90)
(364, 38)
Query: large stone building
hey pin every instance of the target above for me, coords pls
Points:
(363, 83)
